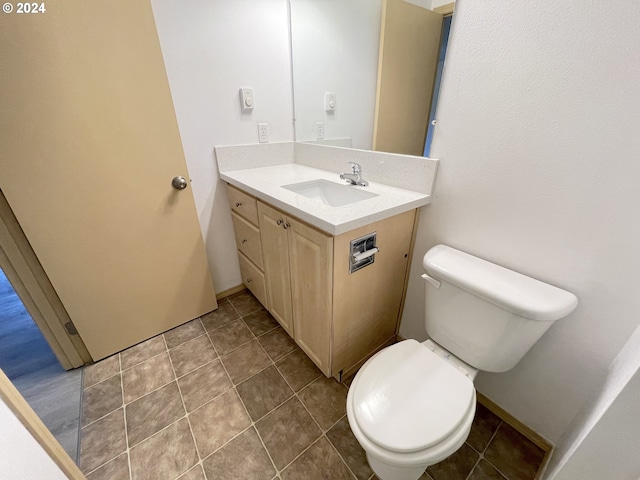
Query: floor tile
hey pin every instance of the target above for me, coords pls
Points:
(196, 473)
(102, 441)
(116, 469)
(167, 454)
(458, 465)
(319, 462)
(326, 400)
(203, 384)
(485, 471)
(298, 370)
(245, 303)
(244, 458)
(192, 354)
(101, 370)
(146, 377)
(141, 352)
(223, 315)
(484, 426)
(264, 392)
(260, 322)
(101, 399)
(513, 454)
(151, 413)
(230, 336)
(348, 447)
(277, 343)
(183, 333)
(246, 361)
(218, 421)
(287, 431)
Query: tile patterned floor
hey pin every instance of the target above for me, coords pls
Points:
(231, 396)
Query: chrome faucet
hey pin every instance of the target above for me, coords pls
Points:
(355, 177)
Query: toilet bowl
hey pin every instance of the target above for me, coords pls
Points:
(403, 422)
(412, 404)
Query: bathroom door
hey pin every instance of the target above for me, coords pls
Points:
(408, 60)
(89, 145)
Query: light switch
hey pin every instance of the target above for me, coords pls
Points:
(330, 102)
(246, 99)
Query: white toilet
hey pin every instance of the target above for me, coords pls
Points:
(412, 404)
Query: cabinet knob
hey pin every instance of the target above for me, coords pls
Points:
(249, 280)
(238, 204)
(286, 225)
(279, 222)
(244, 240)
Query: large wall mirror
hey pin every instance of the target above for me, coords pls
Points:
(365, 71)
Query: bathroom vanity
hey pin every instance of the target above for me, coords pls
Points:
(329, 261)
(302, 277)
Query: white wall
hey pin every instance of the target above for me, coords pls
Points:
(335, 49)
(211, 49)
(21, 457)
(538, 141)
(603, 437)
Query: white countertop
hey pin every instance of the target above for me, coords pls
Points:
(265, 183)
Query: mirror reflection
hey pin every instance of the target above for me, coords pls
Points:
(366, 73)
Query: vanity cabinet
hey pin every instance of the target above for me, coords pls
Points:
(298, 272)
(338, 318)
(244, 215)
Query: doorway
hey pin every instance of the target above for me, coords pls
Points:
(29, 362)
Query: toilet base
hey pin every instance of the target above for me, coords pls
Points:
(385, 471)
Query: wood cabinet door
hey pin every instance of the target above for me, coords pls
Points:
(275, 258)
(311, 265)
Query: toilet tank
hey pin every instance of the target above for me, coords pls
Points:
(485, 314)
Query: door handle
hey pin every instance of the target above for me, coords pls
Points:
(179, 183)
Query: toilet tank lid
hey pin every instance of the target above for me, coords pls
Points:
(513, 291)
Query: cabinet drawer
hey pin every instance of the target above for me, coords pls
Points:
(247, 239)
(253, 278)
(243, 204)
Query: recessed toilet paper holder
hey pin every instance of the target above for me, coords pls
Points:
(362, 252)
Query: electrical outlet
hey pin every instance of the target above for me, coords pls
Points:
(263, 132)
(319, 130)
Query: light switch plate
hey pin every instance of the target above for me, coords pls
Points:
(246, 99)
(330, 102)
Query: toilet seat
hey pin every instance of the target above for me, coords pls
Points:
(407, 399)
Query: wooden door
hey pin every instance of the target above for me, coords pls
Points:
(89, 145)
(275, 247)
(408, 60)
(311, 264)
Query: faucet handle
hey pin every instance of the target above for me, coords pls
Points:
(355, 167)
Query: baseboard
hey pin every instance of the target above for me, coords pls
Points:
(230, 291)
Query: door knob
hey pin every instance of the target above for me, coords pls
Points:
(179, 183)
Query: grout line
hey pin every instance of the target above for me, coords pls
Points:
(80, 415)
(125, 422)
(184, 406)
(485, 449)
(253, 423)
(142, 361)
(190, 371)
(124, 414)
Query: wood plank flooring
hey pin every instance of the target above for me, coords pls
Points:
(28, 361)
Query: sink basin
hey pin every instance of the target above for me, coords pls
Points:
(330, 193)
